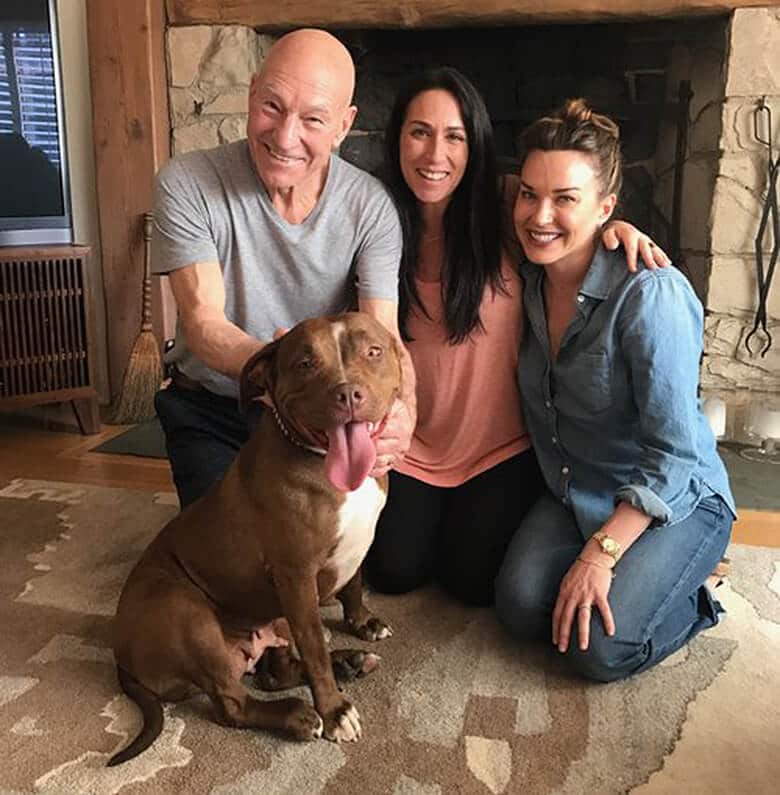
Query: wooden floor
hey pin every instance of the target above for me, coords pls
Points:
(29, 452)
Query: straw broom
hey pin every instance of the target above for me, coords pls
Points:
(144, 371)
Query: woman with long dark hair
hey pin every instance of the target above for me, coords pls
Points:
(465, 222)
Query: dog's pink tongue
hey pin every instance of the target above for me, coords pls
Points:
(350, 457)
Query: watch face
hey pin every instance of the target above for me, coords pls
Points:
(609, 545)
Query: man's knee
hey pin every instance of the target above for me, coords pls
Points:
(200, 445)
(191, 488)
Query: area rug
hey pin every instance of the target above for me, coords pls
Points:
(453, 708)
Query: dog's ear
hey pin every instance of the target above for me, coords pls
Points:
(258, 376)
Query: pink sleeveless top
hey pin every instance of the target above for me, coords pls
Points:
(468, 402)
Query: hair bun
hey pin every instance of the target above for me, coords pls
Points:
(577, 110)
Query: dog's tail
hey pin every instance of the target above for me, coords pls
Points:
(151, 709)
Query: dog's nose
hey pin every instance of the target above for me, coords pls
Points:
(349, 395)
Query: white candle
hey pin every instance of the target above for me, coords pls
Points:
(715, 410)
(766, 424)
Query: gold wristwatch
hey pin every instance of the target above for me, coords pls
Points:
(608, 545)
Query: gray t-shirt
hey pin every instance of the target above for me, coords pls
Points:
(211, 207)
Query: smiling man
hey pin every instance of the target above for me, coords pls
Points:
(259, 234)
(299, 110)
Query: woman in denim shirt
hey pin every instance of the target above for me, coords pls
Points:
(613, 558)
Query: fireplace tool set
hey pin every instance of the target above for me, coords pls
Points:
(763, 118)
(762, 423)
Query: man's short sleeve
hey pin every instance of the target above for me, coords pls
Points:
(182, 230)
(379, 255)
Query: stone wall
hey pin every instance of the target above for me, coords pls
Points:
(209, 71)
(752, 71)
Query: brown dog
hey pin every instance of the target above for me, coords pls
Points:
(285, 529)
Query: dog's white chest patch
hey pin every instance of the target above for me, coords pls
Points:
(356, 524)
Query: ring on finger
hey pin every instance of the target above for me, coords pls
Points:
(585, 607)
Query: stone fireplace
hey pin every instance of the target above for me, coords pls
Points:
(701, 149)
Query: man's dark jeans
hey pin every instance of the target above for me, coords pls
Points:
(203, 433)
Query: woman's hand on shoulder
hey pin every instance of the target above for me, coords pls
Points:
(636, 243)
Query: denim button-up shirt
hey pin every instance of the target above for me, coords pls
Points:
(616, 416)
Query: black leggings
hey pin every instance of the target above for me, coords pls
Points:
(456, 536)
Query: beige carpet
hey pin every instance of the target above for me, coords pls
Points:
(453, 708)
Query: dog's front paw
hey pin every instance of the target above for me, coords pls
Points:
(372, 628)
(303, 721)
(343, 724)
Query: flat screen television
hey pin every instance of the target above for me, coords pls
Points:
(34, 195)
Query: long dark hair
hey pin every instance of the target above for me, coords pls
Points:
(472, 222)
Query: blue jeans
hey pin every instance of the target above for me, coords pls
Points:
(203, 434)
(658, 598)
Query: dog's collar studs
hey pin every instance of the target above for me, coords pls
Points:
(291, 437)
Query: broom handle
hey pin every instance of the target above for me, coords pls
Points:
(146, 306)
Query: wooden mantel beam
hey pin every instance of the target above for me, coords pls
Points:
(283, 14)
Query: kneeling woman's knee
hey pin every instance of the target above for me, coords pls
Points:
(520, 607)
(391, 576)
(607, 659)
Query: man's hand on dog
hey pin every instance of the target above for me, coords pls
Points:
(393, 444)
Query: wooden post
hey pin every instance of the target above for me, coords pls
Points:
(132, 141)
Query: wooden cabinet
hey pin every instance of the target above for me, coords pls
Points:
(46, 331)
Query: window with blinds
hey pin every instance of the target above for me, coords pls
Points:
(27, 91)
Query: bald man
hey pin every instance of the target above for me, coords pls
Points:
(259, 234)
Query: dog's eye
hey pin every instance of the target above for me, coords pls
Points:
(374, 352)
(306, 364)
